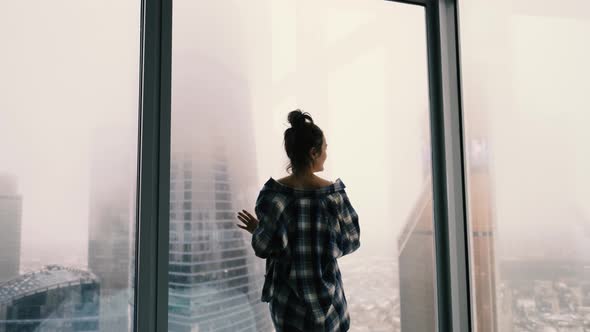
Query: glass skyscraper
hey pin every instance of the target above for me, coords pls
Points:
(214, 283)
(10, 224)
(215, 280)
(111, 222)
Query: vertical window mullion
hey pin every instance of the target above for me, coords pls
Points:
(151, 296)
(453, 307)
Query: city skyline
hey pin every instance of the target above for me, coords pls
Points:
(360, 69)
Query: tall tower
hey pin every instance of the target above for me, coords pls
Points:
(416, 266)
(215, 281)
(210, 276)
(417, 273)
(482, 234)
(416, 245)
(10, 224)
(111, 226)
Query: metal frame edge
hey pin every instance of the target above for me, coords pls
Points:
(151, 246)
(453, 288)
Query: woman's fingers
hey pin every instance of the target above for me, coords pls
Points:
(244, 220)
(246, 216)
(248, 219)
(249, 215)
(251, 223)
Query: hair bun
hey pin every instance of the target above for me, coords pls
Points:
(298, 119)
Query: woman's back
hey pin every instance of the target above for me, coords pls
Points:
(301, 233)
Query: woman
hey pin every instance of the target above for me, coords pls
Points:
(303, 224)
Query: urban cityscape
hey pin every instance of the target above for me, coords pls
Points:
(67, 246)
(215, 280)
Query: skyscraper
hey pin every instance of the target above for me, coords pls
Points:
(215, 279)
(416, 266)
(111, 226)
(10, 224)
(416, 251)
(482, 246)
(211, 283)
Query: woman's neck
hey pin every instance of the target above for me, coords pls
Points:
(303, 175)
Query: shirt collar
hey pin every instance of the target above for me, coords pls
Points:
(273, 185)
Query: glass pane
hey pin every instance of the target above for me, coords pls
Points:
(359, 68)
(68, 136)
(525, 80)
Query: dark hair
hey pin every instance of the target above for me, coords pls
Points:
(300, 138)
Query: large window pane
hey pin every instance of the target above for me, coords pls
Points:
(68, 141)
(360, 69)
(525, 82)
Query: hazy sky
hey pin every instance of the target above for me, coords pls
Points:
(68, 67)
(524, 79)
(359, 68)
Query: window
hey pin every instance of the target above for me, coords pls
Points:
(68, 167)
(222, 196)
(70, 122)
(223, 206)
(357, 67)
(221, 186)
(525, 83)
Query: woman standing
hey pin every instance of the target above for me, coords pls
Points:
(303, 224)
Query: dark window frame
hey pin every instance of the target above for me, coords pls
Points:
(452, 269)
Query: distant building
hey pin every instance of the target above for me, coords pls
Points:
(10, 224)
(215, 280)
(52, 299)
(111, 225)
(213, 284)
(482, 231)
(416, 251)
(416, 267)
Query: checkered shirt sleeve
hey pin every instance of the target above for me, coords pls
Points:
(346, 229)
(270, 237)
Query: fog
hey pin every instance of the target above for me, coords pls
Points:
(70, 90)
(65, 86)
(525, 90)
(68, 67)
(361, 77)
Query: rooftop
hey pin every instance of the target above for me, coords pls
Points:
(50, 276)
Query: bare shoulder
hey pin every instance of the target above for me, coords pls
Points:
(315, 182)
(284, 180)
(324, 182)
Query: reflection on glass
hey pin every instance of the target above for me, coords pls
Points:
(68, 142)
(525, 84)
(360, 69)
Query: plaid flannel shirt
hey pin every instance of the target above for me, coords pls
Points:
(301, 233)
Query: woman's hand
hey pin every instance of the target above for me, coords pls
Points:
(249, 220)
